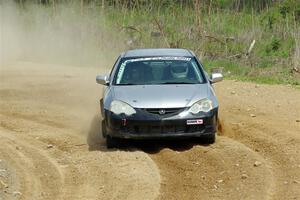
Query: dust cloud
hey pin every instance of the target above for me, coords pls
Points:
(64, 34)
(56, 53)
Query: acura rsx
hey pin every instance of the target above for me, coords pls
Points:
(156, 94)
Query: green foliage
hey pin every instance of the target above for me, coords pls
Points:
(270, 18)
(274, 45)
(288, 7)
(277, 47)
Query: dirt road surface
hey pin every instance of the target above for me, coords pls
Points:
(50, 146)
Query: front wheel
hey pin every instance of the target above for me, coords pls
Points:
(112, 142)
(210, 139)
(103, 128)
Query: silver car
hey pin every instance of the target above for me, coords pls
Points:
(158, 93)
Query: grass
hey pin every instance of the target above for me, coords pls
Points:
(234, 71)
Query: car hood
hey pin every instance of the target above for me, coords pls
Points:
(160, 96)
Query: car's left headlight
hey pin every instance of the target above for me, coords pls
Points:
(119, 107)
(204, 105)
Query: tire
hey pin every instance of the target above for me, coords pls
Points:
(103, 128)
(111, 142)
(210, 139)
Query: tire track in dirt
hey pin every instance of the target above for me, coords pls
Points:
(74, 172)
(39, 176)
(223, 170)
(264, 118)
(283, 157)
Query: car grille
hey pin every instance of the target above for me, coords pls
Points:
(163, 111)
(164, 129)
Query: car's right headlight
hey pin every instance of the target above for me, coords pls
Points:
(119, 107)
(204, 105)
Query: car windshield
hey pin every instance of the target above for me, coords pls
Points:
(158, 70)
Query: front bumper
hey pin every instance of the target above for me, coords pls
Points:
(144, 125)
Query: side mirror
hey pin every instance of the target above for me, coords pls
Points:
(216, 77)
(102, 79)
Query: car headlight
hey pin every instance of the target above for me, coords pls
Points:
(204, 105)
(119, 107)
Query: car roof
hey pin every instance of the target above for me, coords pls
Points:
(157, 52)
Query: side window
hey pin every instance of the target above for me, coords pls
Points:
(203, 72)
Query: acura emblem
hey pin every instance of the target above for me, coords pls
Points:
(162, 112)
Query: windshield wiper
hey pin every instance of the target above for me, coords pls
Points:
(177, 83)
